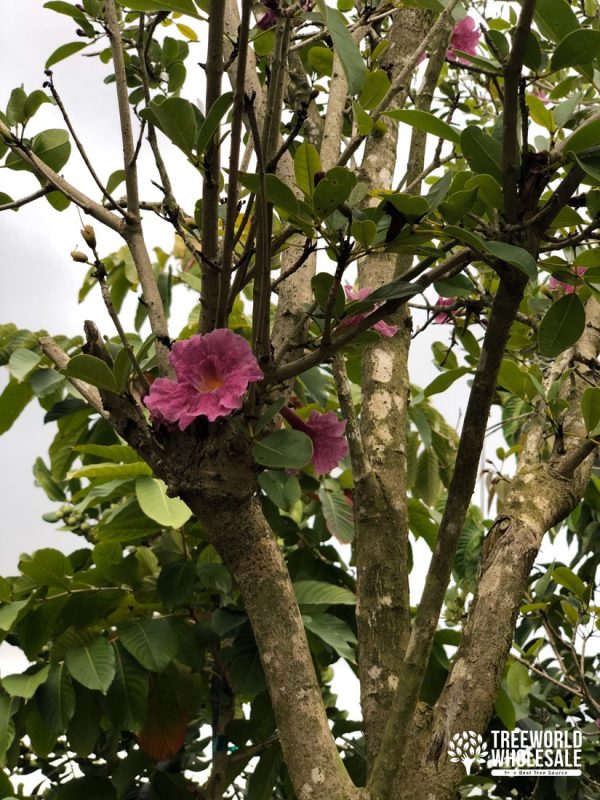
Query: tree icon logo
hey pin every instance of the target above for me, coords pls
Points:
(468, 747)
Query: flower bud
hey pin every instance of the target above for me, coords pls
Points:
(89, 236)
(78, 256)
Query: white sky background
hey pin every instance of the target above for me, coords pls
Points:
(39, 281)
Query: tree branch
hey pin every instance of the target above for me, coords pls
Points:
(43, 171)
(60, 359)
(132, 231)
(510, 143)
(212, 172)
(234, 159)
(247, 546)
(505, 306)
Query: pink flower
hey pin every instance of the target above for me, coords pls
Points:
(381, 327)
(327, 434)
(566, 288)
(442, 317)
(465, 37)
(213, 372)
(541, 95)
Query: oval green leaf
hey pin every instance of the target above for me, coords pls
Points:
(170, 512)
(286, 449)
(562, 325)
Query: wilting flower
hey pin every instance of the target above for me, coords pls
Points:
(381, 327)
(327, 434)
(442, 317)
(465, 37)
(213, 372)
(566, 288)
(267, 20)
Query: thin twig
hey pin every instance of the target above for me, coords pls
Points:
(60, 359)
(50, 84)
(15, 204)
(234, 158)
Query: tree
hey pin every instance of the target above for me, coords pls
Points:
(200, 470)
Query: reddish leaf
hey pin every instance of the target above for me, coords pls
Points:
(163, 732)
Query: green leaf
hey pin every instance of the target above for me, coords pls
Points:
(516, 256)
(307, 163)
(169, 512)
(364, 231)
(445, 380)
(56, 698)
(64, 51)
(482, 152)
(110, 452)
(51, 146)
(115, 179)
(518, 682)
(578, 48)
(333, 190)
(289, 449)
(92, 664)
(394, 290)
(375, 89)
(209, 127)
(34, 101)
(176, 118)
(151, 642)
(428, 484)
(555, 18)
(176, 582)
(111, 470)
(505, 709)
(562, 326)
(128, 525)
(590, 408)
(13, 400)
(91, 370)
(8, 707)
(280, 195)
(364, 123)
(10, 613)
(321, 60)
(264, 776)
(567, 578)
(47, 567)
(27, 684)
(89, 786)
(320, 593)
(180, 6)
(585, 137)
(425, 121)
(22, 363)
(334, 632)
(321, 285)
(15, 110)
(126, 700)
(347, 50)
(338, 512)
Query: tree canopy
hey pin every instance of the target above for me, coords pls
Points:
(364, 170)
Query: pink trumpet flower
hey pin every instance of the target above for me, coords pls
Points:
(465, 37)
(562, 286)
(442, 317)
(327, 434)
(212, 373)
